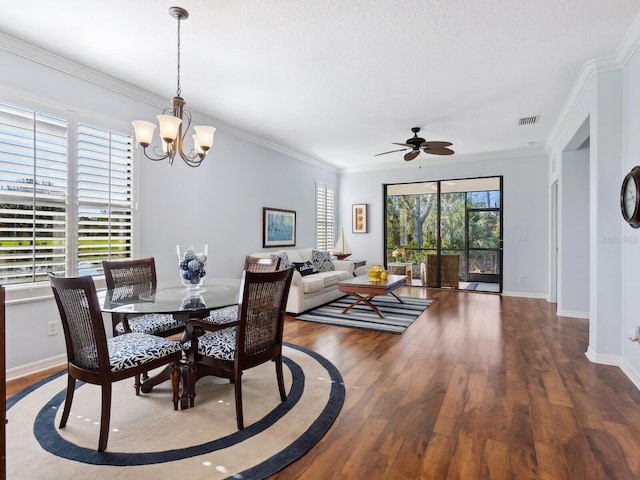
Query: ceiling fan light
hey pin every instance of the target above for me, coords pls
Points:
(144, 131)
(169, 127)
(204, 136)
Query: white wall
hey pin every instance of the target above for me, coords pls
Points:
(600, 106)
(574, 260)
(629, 238)
(525, 212)
(219, 203)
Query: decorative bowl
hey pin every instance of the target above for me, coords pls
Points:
(374, 272)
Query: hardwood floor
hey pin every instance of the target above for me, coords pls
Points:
(479, 387)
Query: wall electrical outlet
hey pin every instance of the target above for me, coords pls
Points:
(53, 327)
(521, 279)
(634, 333)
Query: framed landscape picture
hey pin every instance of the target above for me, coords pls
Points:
(359, 218)
(278, 227)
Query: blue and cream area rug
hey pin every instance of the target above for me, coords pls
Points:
(397, 316)
(148, 439)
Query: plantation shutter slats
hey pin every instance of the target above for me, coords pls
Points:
(35, 223)
(105, 205)
(33, 189)
(325, 221)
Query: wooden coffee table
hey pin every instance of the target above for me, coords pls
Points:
(364, 290)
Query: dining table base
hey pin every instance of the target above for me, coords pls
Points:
(190, 307)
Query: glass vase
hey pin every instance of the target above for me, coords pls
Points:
(192, 264)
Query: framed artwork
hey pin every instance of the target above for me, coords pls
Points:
(278, 227)
(359, 218)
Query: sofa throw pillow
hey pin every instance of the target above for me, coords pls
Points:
(305, 268)
(284, 260)
(322, 261)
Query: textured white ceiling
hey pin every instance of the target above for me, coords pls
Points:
(339, 80)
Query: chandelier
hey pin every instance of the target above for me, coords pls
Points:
(172, 127)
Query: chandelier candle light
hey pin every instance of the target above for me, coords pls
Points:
(171, 125)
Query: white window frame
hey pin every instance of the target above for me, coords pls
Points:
(325, 216)
(29, 291)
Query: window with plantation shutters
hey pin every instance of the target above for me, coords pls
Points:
(33, 190)
(65, 196)
(325, 216)
(105, 207)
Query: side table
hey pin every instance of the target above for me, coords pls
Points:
(357, 264)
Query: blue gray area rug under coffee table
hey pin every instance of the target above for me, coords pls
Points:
(397, 316)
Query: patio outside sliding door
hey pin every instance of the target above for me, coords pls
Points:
(447, 234)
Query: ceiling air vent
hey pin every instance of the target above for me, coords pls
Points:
(529, 120)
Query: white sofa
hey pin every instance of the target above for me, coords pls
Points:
(315, 289)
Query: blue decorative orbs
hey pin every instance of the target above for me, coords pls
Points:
(192, 262)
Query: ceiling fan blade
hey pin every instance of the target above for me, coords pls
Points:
(411, 155)
(384, 153)
(435, 144)
(403, 144)
(439, 151)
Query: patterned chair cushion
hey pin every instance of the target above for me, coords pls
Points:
(133, 349)
(223, 315)
(219, 344)
(153, 324)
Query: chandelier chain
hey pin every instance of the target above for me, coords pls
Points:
(179, 88)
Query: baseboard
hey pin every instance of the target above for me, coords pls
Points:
(542, 296)
(29, 368)
(615, 361)
(569, 313)
(631, 372)
(603, 359)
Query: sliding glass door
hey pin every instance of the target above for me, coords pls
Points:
(446, 233)
(484, 252)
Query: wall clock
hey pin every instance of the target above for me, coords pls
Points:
(630, 197)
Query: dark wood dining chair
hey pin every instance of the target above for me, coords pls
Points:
(140, 274)
(261, 264)
(92, 358)
(251, 264)
(255, 340)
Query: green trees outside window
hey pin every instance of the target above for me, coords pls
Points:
(465, 223)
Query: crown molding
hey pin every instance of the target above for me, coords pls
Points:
(629, 43)
(62, 64)
(627, 47)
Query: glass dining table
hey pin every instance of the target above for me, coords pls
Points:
(189, 306)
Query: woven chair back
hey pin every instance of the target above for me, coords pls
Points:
(140, 272)
(85, 337)
(259, 264)
(262, 311)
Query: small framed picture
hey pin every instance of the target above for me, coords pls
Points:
(359, 218)
(278, 227)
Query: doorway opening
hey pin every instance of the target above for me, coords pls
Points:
(446, 233)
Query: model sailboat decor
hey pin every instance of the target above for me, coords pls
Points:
(342, 249)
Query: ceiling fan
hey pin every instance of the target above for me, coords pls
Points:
(417, 143)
